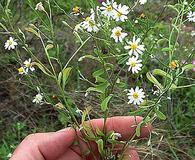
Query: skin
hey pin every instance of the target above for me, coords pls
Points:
(59, 145)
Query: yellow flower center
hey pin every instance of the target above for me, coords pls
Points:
(76, 10)
(142, 15)
(21, 70)
(134, 46)
(28, 65)
(119, 13)
(9, 42)
(173, 65)
(133, 64)
(91, 22)
(118, 33)
(135, 95)
(109, 8)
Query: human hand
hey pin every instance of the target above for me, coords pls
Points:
(59, 145)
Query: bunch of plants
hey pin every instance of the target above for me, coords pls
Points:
(121, 48)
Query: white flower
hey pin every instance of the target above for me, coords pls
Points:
(134, 47)
(89, 24)
(107, 8)
(40, 7)
(136, 96)
(118, 35)
(117, 135)
(142, 1)
(21, 70)
(10, 44)
(38, 98)
(28, 65)
(120, 12)
(191, 16)
(134, 64)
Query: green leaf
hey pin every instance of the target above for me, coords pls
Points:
(160, 115)
(89, 57)
(98, 73)
(66, 74)
(100, 144)
(31, 30)
(167, 49)
(99, 132)
(99, 88)
(161, 73)
(49, 46)
(104, 104)
(137, 112)
(4, 27)
(188, 67)
(152, 79)
(138, 130)
(60, 77)
(42, 68)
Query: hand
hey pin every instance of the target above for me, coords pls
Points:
(59, 145)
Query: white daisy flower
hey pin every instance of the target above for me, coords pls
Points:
(134, 64)
(134, 47)
(21, 70)
(89, 24)
(107, 8)
(191, 16)
(142, 1)
(38, 98)
(120, 12)
(136, 96)
(28, 65)
(118, 35)
(10, 44)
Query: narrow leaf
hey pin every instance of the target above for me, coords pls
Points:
(104, 104)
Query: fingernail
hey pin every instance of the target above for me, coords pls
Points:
(65, 129)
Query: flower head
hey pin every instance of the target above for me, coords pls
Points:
(89, 24)
(142, 1)
(118, 35)
(40, 7)
(136, 96)
(134, 64)
(107, 8)
(120, 12)
(193, 62)
(77, 11)
(21, 70)
(101, 1)
(28, 65)
(10, 44)
(134, 47)
(191, 16)
(173, 65)
(38, 98)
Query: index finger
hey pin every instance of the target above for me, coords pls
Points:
(125, 125)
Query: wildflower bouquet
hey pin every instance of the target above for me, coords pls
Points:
(131, 61)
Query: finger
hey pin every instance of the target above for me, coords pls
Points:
(125, 125)
(45, 145)
(131, 154)
(70, 155)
